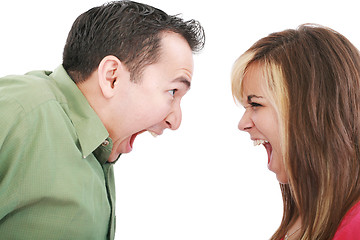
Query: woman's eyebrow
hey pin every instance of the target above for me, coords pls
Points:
(250, 97)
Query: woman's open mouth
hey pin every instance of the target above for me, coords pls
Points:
(267, 146)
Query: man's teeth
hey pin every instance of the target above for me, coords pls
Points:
(153, 134)
(258, 142)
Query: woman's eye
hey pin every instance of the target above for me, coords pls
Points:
(254, 104)
(172, 92)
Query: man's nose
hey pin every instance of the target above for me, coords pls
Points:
(173, 120)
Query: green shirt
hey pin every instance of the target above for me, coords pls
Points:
(55, 181)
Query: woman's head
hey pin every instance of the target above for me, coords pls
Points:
(258, 72)
(261, 118)
(311, 78)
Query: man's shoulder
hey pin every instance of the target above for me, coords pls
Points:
(36, 81)
(29, 90)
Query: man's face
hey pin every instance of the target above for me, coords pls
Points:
(153, 103)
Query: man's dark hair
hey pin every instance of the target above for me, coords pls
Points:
(130, 31)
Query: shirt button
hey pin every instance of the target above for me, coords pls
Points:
(105, 143)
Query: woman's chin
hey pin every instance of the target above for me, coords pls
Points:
(279, 172)
(282, 180)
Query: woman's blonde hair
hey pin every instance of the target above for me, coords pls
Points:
(312, 77)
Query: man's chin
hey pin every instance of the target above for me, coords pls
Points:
(127, 145)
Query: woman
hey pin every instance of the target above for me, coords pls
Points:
(301, 93)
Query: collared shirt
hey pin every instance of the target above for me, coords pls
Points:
(55, 181)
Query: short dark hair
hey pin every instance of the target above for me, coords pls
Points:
(130, 31)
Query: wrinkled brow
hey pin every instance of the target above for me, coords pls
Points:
(184, 81)
(250, 97)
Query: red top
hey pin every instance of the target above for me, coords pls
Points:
(349, 228)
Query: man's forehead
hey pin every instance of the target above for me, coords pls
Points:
(183, 80)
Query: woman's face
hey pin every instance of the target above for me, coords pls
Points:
(260, 120)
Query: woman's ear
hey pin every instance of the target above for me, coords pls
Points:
(110, 71)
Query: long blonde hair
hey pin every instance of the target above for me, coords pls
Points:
(313, 77)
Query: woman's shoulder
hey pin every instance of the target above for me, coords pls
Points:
(349, 227)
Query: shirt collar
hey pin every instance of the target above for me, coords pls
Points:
(89, 128)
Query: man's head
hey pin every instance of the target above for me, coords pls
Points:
(128, 30)
(134, 64)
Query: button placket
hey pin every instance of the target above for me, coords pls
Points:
(105, 143)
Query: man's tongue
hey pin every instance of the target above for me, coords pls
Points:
(268, 150)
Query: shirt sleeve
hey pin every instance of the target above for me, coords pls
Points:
(11, 113)
(34, 144)
(47, 189)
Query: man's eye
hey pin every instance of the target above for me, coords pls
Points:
(172, 92)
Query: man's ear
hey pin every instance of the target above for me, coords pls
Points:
(110, 71)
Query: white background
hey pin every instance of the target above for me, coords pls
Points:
(206, 180)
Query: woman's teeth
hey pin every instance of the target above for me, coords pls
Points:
(257, 142)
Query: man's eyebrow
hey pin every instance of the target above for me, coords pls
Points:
(250, 97)
(184, 81)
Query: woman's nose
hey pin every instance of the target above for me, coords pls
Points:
(246, 123)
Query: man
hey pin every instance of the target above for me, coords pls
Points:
(125, 68)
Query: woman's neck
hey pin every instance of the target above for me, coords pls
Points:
(294, 230)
